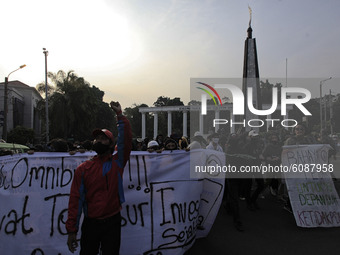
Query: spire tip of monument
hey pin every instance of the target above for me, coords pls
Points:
(250, 30)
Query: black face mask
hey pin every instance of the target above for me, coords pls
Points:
(184, 144)
(100, 148)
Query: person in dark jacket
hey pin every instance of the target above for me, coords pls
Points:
(272, 156)
(253, 148)
(97, 192)
(234, 184)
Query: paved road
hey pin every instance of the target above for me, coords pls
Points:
(270, 230)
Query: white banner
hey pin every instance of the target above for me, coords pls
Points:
(165, 209)
(314, 199)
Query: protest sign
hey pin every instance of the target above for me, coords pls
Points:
(314, 199)
(165, 209)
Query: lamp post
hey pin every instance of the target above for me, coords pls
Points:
(4, 128)
(331, 110)
(46, 94)
(321, 83)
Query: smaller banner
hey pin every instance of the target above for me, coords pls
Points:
(314, 199)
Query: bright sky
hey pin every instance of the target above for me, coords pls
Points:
(138, 50)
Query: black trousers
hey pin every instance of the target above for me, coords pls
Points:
(233, 187)
(103, 234)
(252, 197)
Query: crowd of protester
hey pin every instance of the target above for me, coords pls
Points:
(250, 148)
(244, 148)
(240, 148)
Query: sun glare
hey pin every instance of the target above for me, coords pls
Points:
(81, 35)
(109, 41)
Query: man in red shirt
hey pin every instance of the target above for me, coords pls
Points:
(97, 192)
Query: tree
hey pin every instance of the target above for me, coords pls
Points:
(75, 108)
(21, 135)
(177, 117)
(135, 118)
(267, 91)
(194, 102)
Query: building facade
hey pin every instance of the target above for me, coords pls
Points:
(22, 107)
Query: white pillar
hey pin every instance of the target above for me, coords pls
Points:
(269, 123)
(232, 116)
(143, 125)
(217, 116)
(286, 117)
(155, 125)
(169, 123)
(201, 123)
(185, 123)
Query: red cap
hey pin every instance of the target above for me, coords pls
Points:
(105, 132)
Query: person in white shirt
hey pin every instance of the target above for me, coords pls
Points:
(214, 145)
(197, 142)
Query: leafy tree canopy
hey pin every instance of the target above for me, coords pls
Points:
(75, 107)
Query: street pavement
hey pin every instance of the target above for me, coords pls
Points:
(270, 230)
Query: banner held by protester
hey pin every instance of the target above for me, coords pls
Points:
(165, 209)
(314, 199)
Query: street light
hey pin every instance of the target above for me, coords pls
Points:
(4, 128)
(321, 83)
(46, 99)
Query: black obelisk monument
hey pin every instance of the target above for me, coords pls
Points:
(251, 77)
